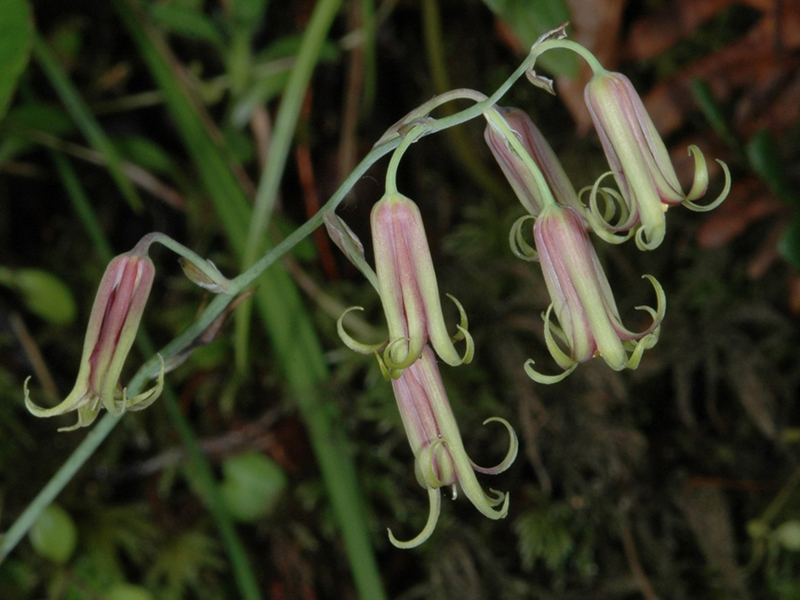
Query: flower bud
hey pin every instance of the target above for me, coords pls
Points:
(439, 455)
(639, 160)
(113, 324)
(514, 167)
(406, 282)
(581, 298)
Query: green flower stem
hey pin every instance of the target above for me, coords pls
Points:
(391, 173)
(493, 116)
(57, 483)
(590, 58)
(198, 261)
(85, 121)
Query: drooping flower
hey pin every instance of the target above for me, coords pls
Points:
(581, 297)
(639, 160)
(113, 324)
(517, 168)
(406, 282)
(439, 455)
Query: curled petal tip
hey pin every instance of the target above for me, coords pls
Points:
(691, 205)
(398, 366)
(562, 359)
(661, 300)
(516, 241)
(464, 321)
(469, 351)
(643, 344)
(654, 239)
(546, 379)
(435, 502)
(494, 498)
(511, 455)
(352, 343)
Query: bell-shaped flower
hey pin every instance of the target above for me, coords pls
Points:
(113, 324)
(406, 282)
(439, 455)
(518, 168)
(588, 320)
(640, 162)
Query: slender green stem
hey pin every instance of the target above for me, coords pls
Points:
(57, 483)
(214, 276)
(391, 172)
(590, 58)
(85, 120)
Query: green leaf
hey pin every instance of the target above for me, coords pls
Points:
(764, 160)
(187, 22)
(261, 92)
(43, 294)
(530, 19)
(16, 39)
(704, 97)
(252, 486)
(789, 244)
(145, 153)
(248, 14)
(38, 116)
(126, 591)
(41, 116)
(290, 45)
(54, 534)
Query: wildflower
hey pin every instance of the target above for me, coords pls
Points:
(113, 323)
(518, 169)
(639, 160)
(439, 455)
(406, 282)
(581, 297)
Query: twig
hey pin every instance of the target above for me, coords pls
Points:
(639, 575)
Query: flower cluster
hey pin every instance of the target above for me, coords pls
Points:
(582, 320)
(588, 320)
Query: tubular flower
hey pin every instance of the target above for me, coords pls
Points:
(640, 162)
(581, 298)
(409, 292)
(439, 455)
(113, 323)
(518, 170)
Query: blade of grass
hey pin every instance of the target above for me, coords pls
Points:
(461, 145)
(369, 26)
(85, 120)
(283, 133)
(294, 340)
